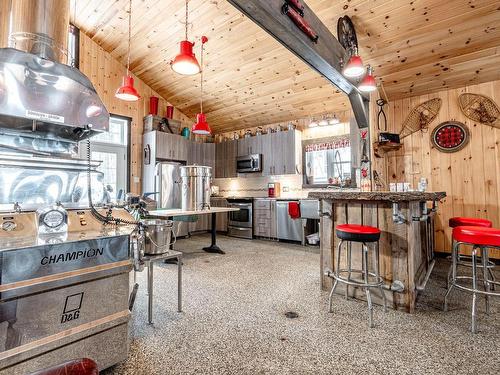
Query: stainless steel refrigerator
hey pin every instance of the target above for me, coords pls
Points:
(168, 187)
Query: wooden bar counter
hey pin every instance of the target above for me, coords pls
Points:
(406, 243)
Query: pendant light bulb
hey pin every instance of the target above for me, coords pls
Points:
(201, 126)
(185, 63)
(127, 90)
(354, 67)
(368, 83)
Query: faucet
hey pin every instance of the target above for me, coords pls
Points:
(337, 161)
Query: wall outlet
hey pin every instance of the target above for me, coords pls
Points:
(286, 189)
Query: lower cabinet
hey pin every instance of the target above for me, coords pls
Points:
(222, 218)
(264, 218)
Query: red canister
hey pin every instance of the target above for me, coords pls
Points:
(170, 112)
(153, 105)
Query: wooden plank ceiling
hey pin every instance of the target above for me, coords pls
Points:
(416, 47)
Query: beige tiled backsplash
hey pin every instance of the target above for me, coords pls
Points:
(257, 186)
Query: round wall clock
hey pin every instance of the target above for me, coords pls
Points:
(450, 136)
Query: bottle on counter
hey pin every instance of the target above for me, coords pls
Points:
(422, 184)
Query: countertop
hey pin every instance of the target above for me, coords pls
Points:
(378, 196)
(178, 212)
(268, 198)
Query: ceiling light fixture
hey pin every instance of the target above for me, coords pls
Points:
(185, 62)
(127, 90)
(368, 83)
(201, 127)
(354, 67)
(334, 120)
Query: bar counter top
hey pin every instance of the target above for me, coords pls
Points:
(390, 196)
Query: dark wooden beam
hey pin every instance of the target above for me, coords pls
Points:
(324, 56)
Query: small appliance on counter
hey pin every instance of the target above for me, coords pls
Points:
(273, 190)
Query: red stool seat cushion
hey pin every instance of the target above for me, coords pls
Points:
(477, 235)
(469, 222)
(357, 233)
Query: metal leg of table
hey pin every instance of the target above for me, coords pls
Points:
(213, 248)
(150, 292)
(179, 283)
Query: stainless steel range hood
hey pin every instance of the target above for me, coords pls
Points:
(39, 93)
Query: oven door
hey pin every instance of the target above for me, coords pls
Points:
(241, 218)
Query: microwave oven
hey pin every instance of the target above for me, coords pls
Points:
(249, 163)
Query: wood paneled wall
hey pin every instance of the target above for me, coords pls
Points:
(106, 74)
(470, 177)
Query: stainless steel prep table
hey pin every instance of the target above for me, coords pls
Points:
(149, 261)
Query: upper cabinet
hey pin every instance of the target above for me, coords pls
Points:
(177, 148)
(250, 145)
(225, 159)
(281, 153)
(170, 146)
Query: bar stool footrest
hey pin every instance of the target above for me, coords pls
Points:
(357, 282)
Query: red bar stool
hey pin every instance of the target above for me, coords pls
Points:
(481, 238)
(464, 260)
(370, 278)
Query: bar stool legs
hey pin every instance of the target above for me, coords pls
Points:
(367, 289)
(451, 283)
(349, 269)
(488, 282)
(474, 287)
(336, 273)
(365, 284)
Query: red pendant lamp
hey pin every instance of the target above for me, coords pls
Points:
(354, 67)
(185, 62)
(201, 127)
(127, 90)
(368, 83)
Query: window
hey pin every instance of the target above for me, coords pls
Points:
(112, 150)
(328, 161)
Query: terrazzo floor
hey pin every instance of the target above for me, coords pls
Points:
(234, 321)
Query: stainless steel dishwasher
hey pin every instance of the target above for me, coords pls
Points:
(288, 228)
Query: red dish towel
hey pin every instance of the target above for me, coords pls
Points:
(294, 210)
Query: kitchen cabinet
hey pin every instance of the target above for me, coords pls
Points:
(201, 154)
(175, 147)
(264, 218)
(222, 218)
(171, 146)
(282, 153)
(225, 155)
(249, 146)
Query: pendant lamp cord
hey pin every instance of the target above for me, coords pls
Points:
(201, 75)
(129, 35)
(187, 14)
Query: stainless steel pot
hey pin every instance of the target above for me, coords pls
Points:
(196, 182)
(158, 234)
